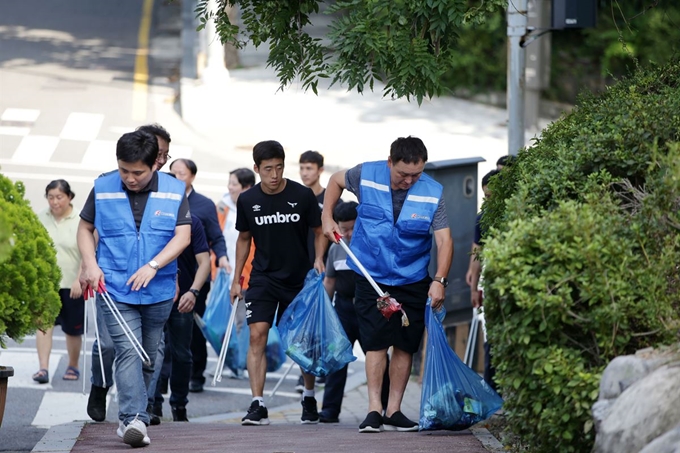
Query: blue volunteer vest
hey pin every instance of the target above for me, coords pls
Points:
(394, 254)
(122, 250)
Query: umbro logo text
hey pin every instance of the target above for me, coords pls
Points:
(277, 218)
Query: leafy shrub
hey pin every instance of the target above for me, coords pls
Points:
(582, 259)
(29, 287)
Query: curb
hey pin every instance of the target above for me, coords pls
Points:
(60, 438)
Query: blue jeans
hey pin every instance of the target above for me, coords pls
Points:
(132, 377)
(180, 327)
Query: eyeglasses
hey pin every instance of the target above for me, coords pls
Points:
(164, 157)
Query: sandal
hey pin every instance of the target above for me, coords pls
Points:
(72, 374)
(42, 376)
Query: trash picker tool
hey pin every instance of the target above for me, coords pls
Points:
(225, 344)
(281, 379)
(472, 339)
(124, 325)
(386, 304)
(86, 297)
(91, 296)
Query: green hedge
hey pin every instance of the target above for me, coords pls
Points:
(582, 263)
(29, 287)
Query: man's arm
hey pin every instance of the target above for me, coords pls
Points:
(90, 273)
(214, 234)
(473, 273)
(333, 192)
(320, 245)
(170, 252)
(188, 299)
(444, 243)
(329, 285)
(242, 252)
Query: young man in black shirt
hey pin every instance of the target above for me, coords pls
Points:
(276, 214)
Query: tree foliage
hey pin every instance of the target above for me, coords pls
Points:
(406, 44)
(29, 287)
(582, 263)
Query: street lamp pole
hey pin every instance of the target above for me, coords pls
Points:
(517, 27)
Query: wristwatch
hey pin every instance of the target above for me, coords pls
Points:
(195, 292)
(154, 265)
(443, 280)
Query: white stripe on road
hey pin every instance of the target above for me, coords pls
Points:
(25, 365)
(24, 115)
(82, 126)
(101, 154)
(12, 130)
(35, 148)
(57, 408)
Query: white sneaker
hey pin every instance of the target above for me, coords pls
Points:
(135, 434)
(121, 429)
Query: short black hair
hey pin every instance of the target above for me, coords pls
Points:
(344, 212)
(245, 176)
(137, 146)
(410, 150)
(157, 130)
(487, 177)
(190, 164)
(505, 160)
(62, 185)
(268, 149)
(312, 157)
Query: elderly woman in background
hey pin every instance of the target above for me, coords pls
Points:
(61, 222)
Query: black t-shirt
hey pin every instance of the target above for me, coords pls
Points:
(310, 236)
(279, 224)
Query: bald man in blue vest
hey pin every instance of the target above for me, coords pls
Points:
(400, 210)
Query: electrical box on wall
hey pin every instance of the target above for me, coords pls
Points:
(574, 14)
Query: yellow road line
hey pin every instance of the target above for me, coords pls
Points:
(140, 86)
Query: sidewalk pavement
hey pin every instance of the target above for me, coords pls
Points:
(224, 433)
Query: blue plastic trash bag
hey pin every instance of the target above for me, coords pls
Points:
(216, 317)
(454, 397)
(275, 352)
(311, 331)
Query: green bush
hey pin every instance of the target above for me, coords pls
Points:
(29, 287)
(582, 260)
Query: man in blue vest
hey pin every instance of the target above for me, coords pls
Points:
(143, 222)
(399, 209)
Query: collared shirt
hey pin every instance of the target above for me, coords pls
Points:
(63, 234)
(137, 204)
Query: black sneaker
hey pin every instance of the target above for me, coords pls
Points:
(399, 422)
(257, 415)
(154, 420)
(325, 417)
(310, 414)
(179, 414)
(372, 424)
(96, 403)
(300, 386)
(195, 386)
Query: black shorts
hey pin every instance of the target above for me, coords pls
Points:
(376, 331)
(72, 314)
(262, 301)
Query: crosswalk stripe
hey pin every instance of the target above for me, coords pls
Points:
(25, 365)
(14, 130)
(57, 408)
(82, 126)
(21, 115)
(101, 154)
(35, 148)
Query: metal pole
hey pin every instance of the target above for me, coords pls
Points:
(517, 26)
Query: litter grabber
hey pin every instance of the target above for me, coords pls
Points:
(124, 325)
(477, 319)
(87, 298)
(281, 379)
(386, 304)
(225, 344)
(91, 296)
